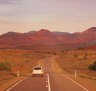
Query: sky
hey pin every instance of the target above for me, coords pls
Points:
(54, 15)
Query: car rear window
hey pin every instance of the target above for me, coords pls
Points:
(37, 68)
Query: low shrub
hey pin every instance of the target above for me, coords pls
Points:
(93, 66)
(5, 66)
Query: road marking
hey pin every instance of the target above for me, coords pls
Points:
(76, 83)
(46, 83)
(16, 83)
(49, 88)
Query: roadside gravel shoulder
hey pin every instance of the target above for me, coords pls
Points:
(7, 83)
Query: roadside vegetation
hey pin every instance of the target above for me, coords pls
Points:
(93, 66)
(5, 66)
(82, 61)
(14, 61)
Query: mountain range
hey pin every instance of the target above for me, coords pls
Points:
(46, 39)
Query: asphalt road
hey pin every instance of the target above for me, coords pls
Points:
(51, 81)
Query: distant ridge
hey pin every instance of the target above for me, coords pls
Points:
(45, 38)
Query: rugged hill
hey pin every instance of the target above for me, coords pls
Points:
(51, 40)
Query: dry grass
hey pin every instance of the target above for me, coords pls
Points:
(77, 60)
(69, 63)
(21, 60)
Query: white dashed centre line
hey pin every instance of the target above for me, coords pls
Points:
(48, 82)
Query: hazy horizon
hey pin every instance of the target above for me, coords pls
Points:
(54, 15)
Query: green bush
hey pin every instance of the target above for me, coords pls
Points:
(5, 66)
(93, 66)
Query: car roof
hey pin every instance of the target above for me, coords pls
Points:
(37, 67)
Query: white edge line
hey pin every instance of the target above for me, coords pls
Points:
(49, 88)
(16, 83)
(76, 83)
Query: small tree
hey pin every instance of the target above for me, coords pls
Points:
(5, 66)
(93, 66)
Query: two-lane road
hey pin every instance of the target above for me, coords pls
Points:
(31, 84)
(51, 81)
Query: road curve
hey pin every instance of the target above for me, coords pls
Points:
(49, 82)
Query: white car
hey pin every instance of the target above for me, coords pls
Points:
(37, 71)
